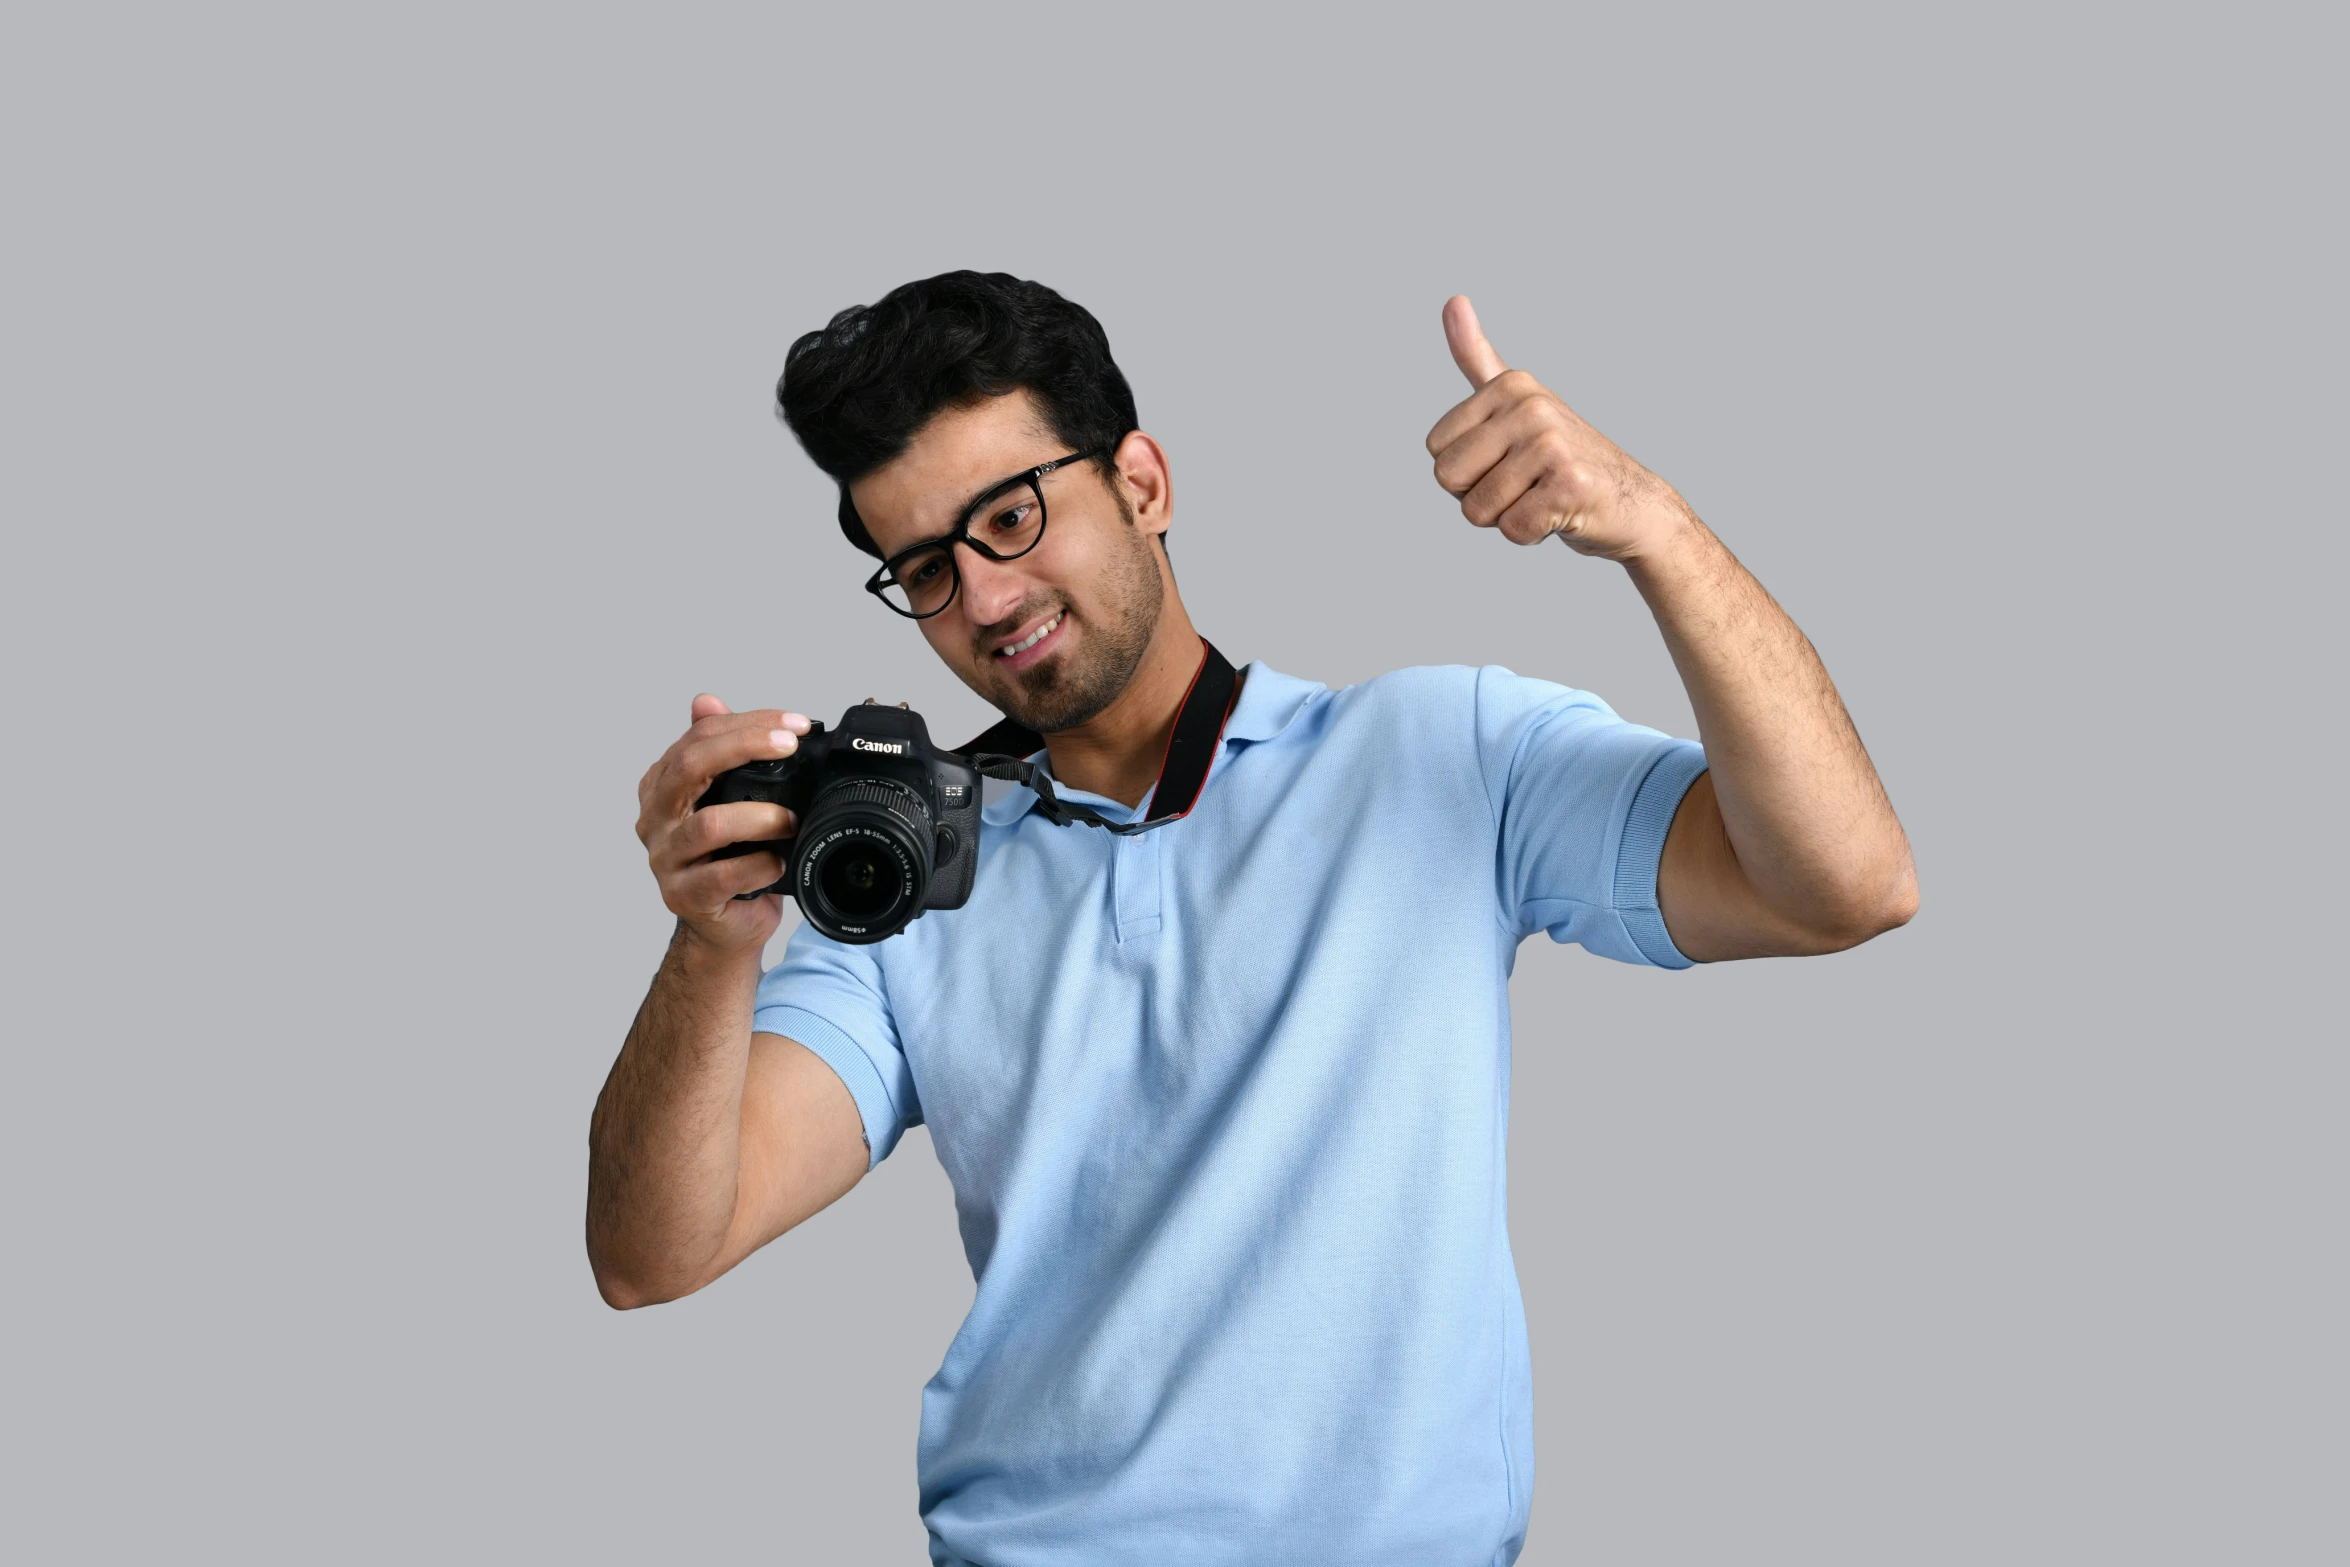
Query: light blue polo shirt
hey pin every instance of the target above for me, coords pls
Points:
(1224, 1107)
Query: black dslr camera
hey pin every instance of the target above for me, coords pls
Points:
(888, 827)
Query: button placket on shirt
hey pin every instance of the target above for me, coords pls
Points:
(1135, 878)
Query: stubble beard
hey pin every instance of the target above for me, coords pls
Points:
(1071, 689)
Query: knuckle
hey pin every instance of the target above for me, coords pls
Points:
(705, 829)
(656, 783)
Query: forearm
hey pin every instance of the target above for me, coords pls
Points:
(1800, 803)
(665, 1145)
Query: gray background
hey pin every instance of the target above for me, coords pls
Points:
(389, 459)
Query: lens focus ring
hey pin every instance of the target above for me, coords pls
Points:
(849, 793)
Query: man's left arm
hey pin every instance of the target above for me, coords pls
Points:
(1786, 844)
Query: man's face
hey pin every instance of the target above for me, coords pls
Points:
(1092, 586)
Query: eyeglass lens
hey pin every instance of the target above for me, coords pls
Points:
(1007, 525)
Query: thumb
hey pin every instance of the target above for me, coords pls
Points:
(1470, 351)
(707, 706)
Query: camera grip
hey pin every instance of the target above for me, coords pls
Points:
(769, 782)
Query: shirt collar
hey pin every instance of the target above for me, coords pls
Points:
(1269, 703)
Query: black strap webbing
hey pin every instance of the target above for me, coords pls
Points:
(1003, 753)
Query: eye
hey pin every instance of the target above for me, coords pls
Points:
(925, 571)
(1012, 518)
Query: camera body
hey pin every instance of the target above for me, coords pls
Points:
(888, 825)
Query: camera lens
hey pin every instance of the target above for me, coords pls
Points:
(857, 883)
(865, 858)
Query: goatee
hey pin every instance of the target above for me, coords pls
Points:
(1070, 688)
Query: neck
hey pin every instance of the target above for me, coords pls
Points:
(1117, 751)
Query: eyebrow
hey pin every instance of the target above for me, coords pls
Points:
(983, 493)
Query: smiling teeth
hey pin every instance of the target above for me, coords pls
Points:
(1030, 640)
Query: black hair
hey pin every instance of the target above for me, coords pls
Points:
(855, 392)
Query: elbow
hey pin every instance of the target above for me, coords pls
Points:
(627, 1289)
(624, 1295)
(1902, 905)
(1869, 911)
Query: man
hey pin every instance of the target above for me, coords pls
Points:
(1223, 1102)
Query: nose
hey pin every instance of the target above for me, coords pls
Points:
(992, 589)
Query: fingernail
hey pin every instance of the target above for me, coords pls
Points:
(796, 723)
(784, 741)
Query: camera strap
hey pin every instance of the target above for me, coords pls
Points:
(1002, 752)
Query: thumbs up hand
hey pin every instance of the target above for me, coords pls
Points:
(1521, 460)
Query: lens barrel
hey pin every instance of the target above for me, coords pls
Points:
(865, 858)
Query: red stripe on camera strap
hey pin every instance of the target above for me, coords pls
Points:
(1002, 752)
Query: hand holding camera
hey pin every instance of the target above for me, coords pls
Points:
(888, 826)
(683, 843)
(867, 826)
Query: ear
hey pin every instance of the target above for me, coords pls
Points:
(1143, 478)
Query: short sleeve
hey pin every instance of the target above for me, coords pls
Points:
(1582, 801)
(831, 998)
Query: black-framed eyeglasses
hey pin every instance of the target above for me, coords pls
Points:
(1003, 524)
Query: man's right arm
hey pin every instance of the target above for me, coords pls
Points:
(709, 1141)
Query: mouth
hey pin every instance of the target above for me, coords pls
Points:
(1032, 647)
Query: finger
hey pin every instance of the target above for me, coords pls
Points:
(706, 834)
(1468, 459)
(711, 884)
(1470, 351)
(661, 779)
(753, 718)
(1503, 484)
(703, 755)
(1541, 511)
(708, 706)
(1504, 394)
(713, 827)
